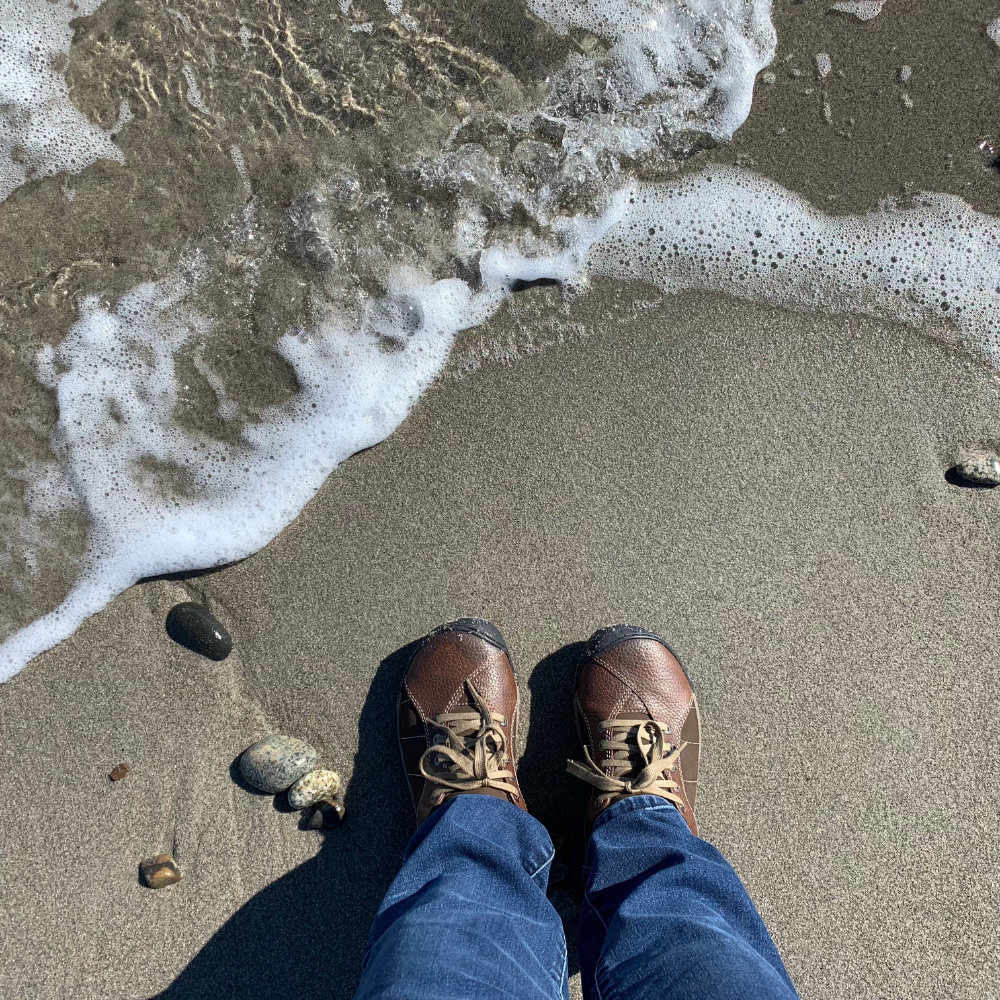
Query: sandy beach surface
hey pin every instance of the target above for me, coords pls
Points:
(766, 488)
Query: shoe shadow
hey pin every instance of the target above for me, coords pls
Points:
(552, 796)
(303, 936)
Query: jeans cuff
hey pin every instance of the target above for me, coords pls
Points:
(640, 803)
(473, 812)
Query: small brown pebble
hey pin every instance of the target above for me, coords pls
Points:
(326, 813)
(160, 871)
(119, 772)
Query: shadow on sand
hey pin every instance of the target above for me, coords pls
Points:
(303, 936)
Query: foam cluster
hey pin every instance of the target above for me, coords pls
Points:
(863, 10)
(41, 132)
(689, 65)
(733, 231)
(114, 376)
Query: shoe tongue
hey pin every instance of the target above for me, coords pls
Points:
(468, 719)
(622, 755)
(626, 717)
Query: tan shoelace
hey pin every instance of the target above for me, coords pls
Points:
(638, 747)
(469, 751)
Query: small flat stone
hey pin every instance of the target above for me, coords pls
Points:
(159, 871)
(276, 763)
(982, 468)
(326, 814)
(119, 771)
(195, 627)
(311, 787)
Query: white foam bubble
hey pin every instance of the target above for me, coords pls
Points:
(192, 91)
(41, 132)
(182, 17)
(125, 116)
(239, 161)
(993, 30)
(863, 10)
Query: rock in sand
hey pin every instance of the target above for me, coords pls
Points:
(981, 468)
(311, 787)
(276, 763)
(327, 813)
(195, 627)
(159, 871)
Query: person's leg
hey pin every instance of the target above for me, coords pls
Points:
(467, 917)
(666, 916)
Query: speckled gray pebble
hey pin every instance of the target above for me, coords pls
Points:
(276, 762)
(981, 467)
(311, 787)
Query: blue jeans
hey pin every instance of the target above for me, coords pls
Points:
(664, 915)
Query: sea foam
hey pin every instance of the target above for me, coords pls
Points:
(685, 63)
(733, 231)
(863, 10)
(41, 132)
(724, 229)
(161, 497)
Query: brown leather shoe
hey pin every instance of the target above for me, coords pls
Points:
(638, 721)
(457, 716)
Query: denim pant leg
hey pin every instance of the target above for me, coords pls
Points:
(467, 917)
(665, 916)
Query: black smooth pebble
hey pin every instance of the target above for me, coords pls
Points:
(194, 626)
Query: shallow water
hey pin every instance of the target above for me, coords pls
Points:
(313, 202)
(284, 170)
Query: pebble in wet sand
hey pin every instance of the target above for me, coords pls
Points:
(981, 468)
(327, 813)
(276, 762)
(119, 771)
(311, 787)
(195, 627)
(159, 871)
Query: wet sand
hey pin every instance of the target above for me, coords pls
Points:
(766, 488)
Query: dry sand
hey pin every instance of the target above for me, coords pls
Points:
(765, 488)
